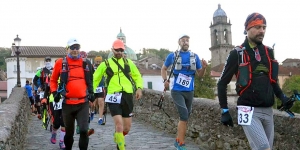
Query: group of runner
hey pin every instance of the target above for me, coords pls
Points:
(72, 86)
(42, 99)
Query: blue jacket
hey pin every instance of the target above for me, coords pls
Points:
(28, 90)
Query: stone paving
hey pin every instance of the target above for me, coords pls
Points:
(142, 136)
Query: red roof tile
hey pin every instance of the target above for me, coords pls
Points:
(37, 51)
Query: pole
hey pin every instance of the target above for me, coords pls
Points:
(18, 67)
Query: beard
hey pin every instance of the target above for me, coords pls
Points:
(185, 47)
(258, 39)
(118, 55)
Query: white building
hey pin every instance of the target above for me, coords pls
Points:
(30, 58)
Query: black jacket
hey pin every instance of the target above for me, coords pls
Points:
(261, 91)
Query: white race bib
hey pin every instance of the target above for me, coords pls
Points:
(41, 95)
(184, 80)
(113, 98)
(245, 114)
(58, 105)
(98, 89)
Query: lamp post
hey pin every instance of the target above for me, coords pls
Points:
(17, 41)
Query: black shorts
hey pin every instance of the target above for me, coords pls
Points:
(99, 95)
(58, 119)
(125, 108)
(37, 98)
(31, 100)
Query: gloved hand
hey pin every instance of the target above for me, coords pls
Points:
(56, 96)
(226, 119)
(287, 103)
(91, 97)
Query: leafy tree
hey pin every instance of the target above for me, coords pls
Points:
(161, 53)
(4, 53)
(291, 84)
(204, 86)
(102, 53)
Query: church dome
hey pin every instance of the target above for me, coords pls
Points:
(219, 12)
(129, 52)
(121, 34)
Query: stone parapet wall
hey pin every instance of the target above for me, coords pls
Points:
(204, 127)
(14, 120)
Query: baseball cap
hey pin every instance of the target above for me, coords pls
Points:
(182, 36)
(73, 41)
(118, 44)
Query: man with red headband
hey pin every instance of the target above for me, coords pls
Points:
(256, 71)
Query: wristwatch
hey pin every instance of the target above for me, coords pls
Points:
(224, 110)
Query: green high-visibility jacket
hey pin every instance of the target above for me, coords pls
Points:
(118, 82)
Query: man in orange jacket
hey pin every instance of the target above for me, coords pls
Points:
(76, 89)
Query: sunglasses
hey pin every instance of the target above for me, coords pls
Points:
(74, 47)
(119, 50)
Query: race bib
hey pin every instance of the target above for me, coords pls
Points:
(184, 80)
(98, 89)
(245, 114)
(113, 98)
(58, 105)
(41, 95)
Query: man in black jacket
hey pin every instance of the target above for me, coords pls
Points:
(256, 71)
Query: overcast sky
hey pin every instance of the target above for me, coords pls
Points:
(146, 23)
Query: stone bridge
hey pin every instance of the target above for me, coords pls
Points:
(151, 129)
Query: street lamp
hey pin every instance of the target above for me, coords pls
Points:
(17, 41)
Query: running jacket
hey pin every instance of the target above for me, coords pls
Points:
(119, 82)
(248, 98)
(76, 88)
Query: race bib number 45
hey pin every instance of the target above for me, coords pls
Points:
(184, 80)
(245, 114)
(113, 98)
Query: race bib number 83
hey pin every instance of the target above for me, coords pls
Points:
(245, 114)
(113, 98)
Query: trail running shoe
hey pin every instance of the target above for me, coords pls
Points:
(77, 129)
(100, 121)
(53, 138)
(179, 146)
(39, 116)
(91, 131)
(62, 145)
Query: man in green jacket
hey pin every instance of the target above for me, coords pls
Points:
(123, 78)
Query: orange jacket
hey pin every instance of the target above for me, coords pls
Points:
(76, 88)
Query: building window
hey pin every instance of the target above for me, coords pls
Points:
(149, 85)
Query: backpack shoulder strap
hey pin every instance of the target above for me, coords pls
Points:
(106, 63)
(240, 53)
(192, 54)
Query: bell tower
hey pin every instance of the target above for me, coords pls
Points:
(221, 38)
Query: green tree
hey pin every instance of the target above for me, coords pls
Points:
(4, 53)
(291, 84)
(204, 86)
(161, 53)
(102, 53)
